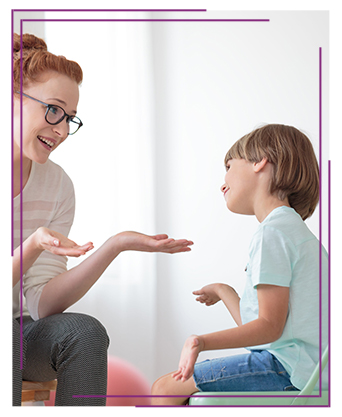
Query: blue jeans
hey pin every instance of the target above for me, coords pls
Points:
(258, 370)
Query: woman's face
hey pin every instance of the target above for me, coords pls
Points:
(39, 137)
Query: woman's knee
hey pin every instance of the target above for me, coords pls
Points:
(87, 330)
(90, 327)
(75, 327)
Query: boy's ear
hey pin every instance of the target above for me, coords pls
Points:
(258, 166)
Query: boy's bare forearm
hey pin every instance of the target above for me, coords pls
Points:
(254, 333)
(231, 300)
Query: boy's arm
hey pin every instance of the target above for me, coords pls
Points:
(212, 293)
(268, 327)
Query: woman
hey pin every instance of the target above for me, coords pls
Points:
(68, 346)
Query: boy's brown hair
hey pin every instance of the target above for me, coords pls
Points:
(295, 167)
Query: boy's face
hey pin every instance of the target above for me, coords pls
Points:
(239, 187)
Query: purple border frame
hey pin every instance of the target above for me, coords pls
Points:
(320, 189)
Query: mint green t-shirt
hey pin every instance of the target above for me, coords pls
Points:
(284, 252)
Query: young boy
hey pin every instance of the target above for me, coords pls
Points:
(273, 174)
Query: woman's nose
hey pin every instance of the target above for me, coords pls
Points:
(62, 129)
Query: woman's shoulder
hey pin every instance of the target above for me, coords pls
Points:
(51, 172)
(50, 178)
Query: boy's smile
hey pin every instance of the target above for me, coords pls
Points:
(239, 181)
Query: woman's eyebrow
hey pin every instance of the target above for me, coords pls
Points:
(61, 102)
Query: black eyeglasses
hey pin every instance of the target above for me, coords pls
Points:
(55, 114)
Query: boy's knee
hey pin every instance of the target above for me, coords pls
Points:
(161, 386)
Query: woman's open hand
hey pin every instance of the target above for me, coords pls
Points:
(58, 244)
(157, 243)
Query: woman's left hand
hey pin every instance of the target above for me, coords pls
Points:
(157, 243)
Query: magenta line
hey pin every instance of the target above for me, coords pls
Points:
(320, 219)
(12, 147)
(196, 396)
(109, 10)
(21, 195)
(329, 272)
(146, 20)
(239, 406)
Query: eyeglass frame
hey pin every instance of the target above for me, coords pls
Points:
(68, 116)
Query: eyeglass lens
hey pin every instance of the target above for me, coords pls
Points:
(55, 114)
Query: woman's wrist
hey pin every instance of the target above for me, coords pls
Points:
(119, 242)
(35, 240)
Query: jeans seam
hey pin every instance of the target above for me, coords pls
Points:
(234, 376)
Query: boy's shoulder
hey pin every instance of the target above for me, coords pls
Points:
(288, 222)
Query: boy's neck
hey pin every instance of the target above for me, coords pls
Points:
(267, 205)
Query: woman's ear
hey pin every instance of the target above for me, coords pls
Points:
(259, 166)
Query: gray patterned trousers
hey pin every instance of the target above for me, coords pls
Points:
(71, 347)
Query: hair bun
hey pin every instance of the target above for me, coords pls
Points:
(30, 43)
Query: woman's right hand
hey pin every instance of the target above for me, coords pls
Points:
(58, 244)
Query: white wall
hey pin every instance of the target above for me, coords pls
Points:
(210, 83)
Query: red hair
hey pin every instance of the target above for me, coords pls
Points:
(36, 60)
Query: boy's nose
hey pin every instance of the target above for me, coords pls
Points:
(223, 188)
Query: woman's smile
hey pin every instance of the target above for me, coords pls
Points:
(47, 143)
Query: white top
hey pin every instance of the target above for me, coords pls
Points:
(285, 252)
(48, 200)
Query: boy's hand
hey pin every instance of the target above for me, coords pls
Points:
(208, 295)
(158, 243)
(191, 349)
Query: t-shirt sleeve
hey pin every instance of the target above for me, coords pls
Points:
(272, 257)
(48, 265)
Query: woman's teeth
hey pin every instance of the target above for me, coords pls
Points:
(47, 141)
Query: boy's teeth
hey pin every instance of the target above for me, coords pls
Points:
(48, 142)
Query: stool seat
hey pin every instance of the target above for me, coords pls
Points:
(37, 390)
